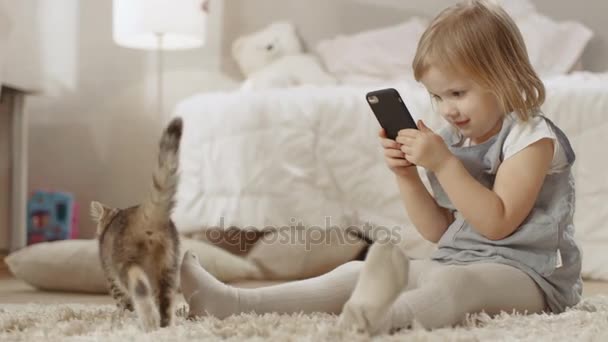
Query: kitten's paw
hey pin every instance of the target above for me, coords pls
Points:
(150, 321)
(182, 311)
(125, 304)
(167, 321)
(117, 318)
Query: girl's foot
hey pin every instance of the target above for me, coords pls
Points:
(203, 293)
(382, 279)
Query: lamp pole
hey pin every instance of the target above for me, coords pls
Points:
(159, 76)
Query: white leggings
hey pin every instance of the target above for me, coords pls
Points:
(436, 295)
(441, 295)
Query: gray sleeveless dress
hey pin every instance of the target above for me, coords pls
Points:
(543, 246)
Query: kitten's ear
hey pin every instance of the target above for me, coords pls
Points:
(98, 211)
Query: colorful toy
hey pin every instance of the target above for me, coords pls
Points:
(51, 215)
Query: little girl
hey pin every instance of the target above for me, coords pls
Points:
(502, 205)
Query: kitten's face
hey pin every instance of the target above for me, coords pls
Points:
(102, 215)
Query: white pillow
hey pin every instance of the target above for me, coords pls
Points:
(73, 265)
(554, 47)
(375, 55)
(291, 255)
(69, 265)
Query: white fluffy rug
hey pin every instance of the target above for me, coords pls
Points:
(586, 322)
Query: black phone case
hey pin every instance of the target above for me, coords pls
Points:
(390, 110)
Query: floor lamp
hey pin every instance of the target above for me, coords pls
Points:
(159, 25)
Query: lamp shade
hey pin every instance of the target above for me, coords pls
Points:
(139, 24)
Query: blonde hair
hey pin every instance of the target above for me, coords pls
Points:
(480, 39)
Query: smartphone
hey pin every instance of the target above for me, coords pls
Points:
(390, 110)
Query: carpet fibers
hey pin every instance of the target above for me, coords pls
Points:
(588, 321)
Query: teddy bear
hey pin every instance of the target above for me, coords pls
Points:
(274, 57)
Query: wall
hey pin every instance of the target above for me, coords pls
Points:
(317, 19)
(5, 174)
(94, 127)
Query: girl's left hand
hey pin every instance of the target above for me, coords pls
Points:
(423, 147)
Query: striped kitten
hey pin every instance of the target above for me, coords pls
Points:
(139, 246)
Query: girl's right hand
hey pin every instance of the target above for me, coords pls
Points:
(395, 158)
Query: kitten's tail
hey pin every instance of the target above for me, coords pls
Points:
(142, 297)
(164, 180)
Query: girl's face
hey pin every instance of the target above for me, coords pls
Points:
(474, 111)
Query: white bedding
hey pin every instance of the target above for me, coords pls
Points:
(279, 157)
(578, 103)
